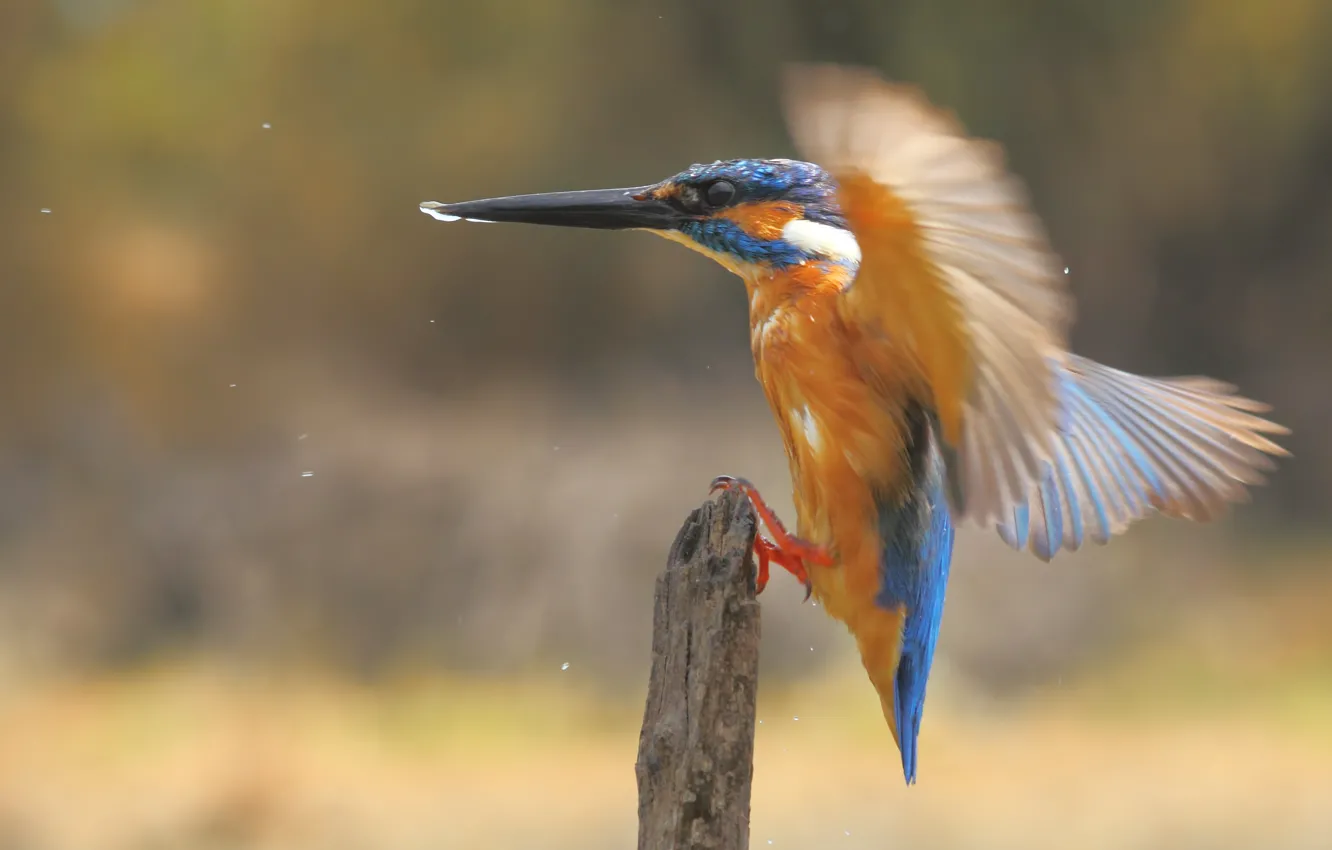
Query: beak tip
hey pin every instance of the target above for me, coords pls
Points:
(433, 209)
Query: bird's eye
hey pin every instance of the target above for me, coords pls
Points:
(719, 193)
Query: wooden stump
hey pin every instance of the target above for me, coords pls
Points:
(696, 750)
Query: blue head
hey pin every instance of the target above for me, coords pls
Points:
(753, 216)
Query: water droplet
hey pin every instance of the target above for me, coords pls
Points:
(434, 213)
(564, 666)
(46, 210)
(811, 649)
(432, 321)
(267, 126)
(307, 474)
(760, 722)
(1065, 269)
(847, 831)
(233, 386)
(769, 840)
(795, 718)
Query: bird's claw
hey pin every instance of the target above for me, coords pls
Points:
(725, 482)
(785, 549)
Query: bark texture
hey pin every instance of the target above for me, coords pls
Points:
(696, 750)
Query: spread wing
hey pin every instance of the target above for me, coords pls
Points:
(956, 274)
(1130, 445)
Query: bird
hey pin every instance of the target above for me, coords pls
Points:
(909, 320)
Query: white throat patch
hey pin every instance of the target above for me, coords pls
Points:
(822, 239)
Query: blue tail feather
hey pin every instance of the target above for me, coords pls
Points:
(917, 534)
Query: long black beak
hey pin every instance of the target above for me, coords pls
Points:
(604, 209)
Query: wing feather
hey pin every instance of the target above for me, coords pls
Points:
(1185, 447)
(956, 272)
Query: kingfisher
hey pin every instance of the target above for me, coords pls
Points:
(909, 323)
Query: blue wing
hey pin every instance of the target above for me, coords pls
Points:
(1129, 445)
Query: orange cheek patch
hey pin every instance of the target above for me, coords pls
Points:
(764, 219)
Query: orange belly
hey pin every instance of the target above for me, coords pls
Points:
(845, 441)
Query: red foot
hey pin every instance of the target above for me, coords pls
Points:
(784, 549)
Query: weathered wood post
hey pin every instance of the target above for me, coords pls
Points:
(696, 750)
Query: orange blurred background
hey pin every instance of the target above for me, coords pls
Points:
(324, 525)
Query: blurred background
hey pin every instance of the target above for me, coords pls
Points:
(324, 525)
